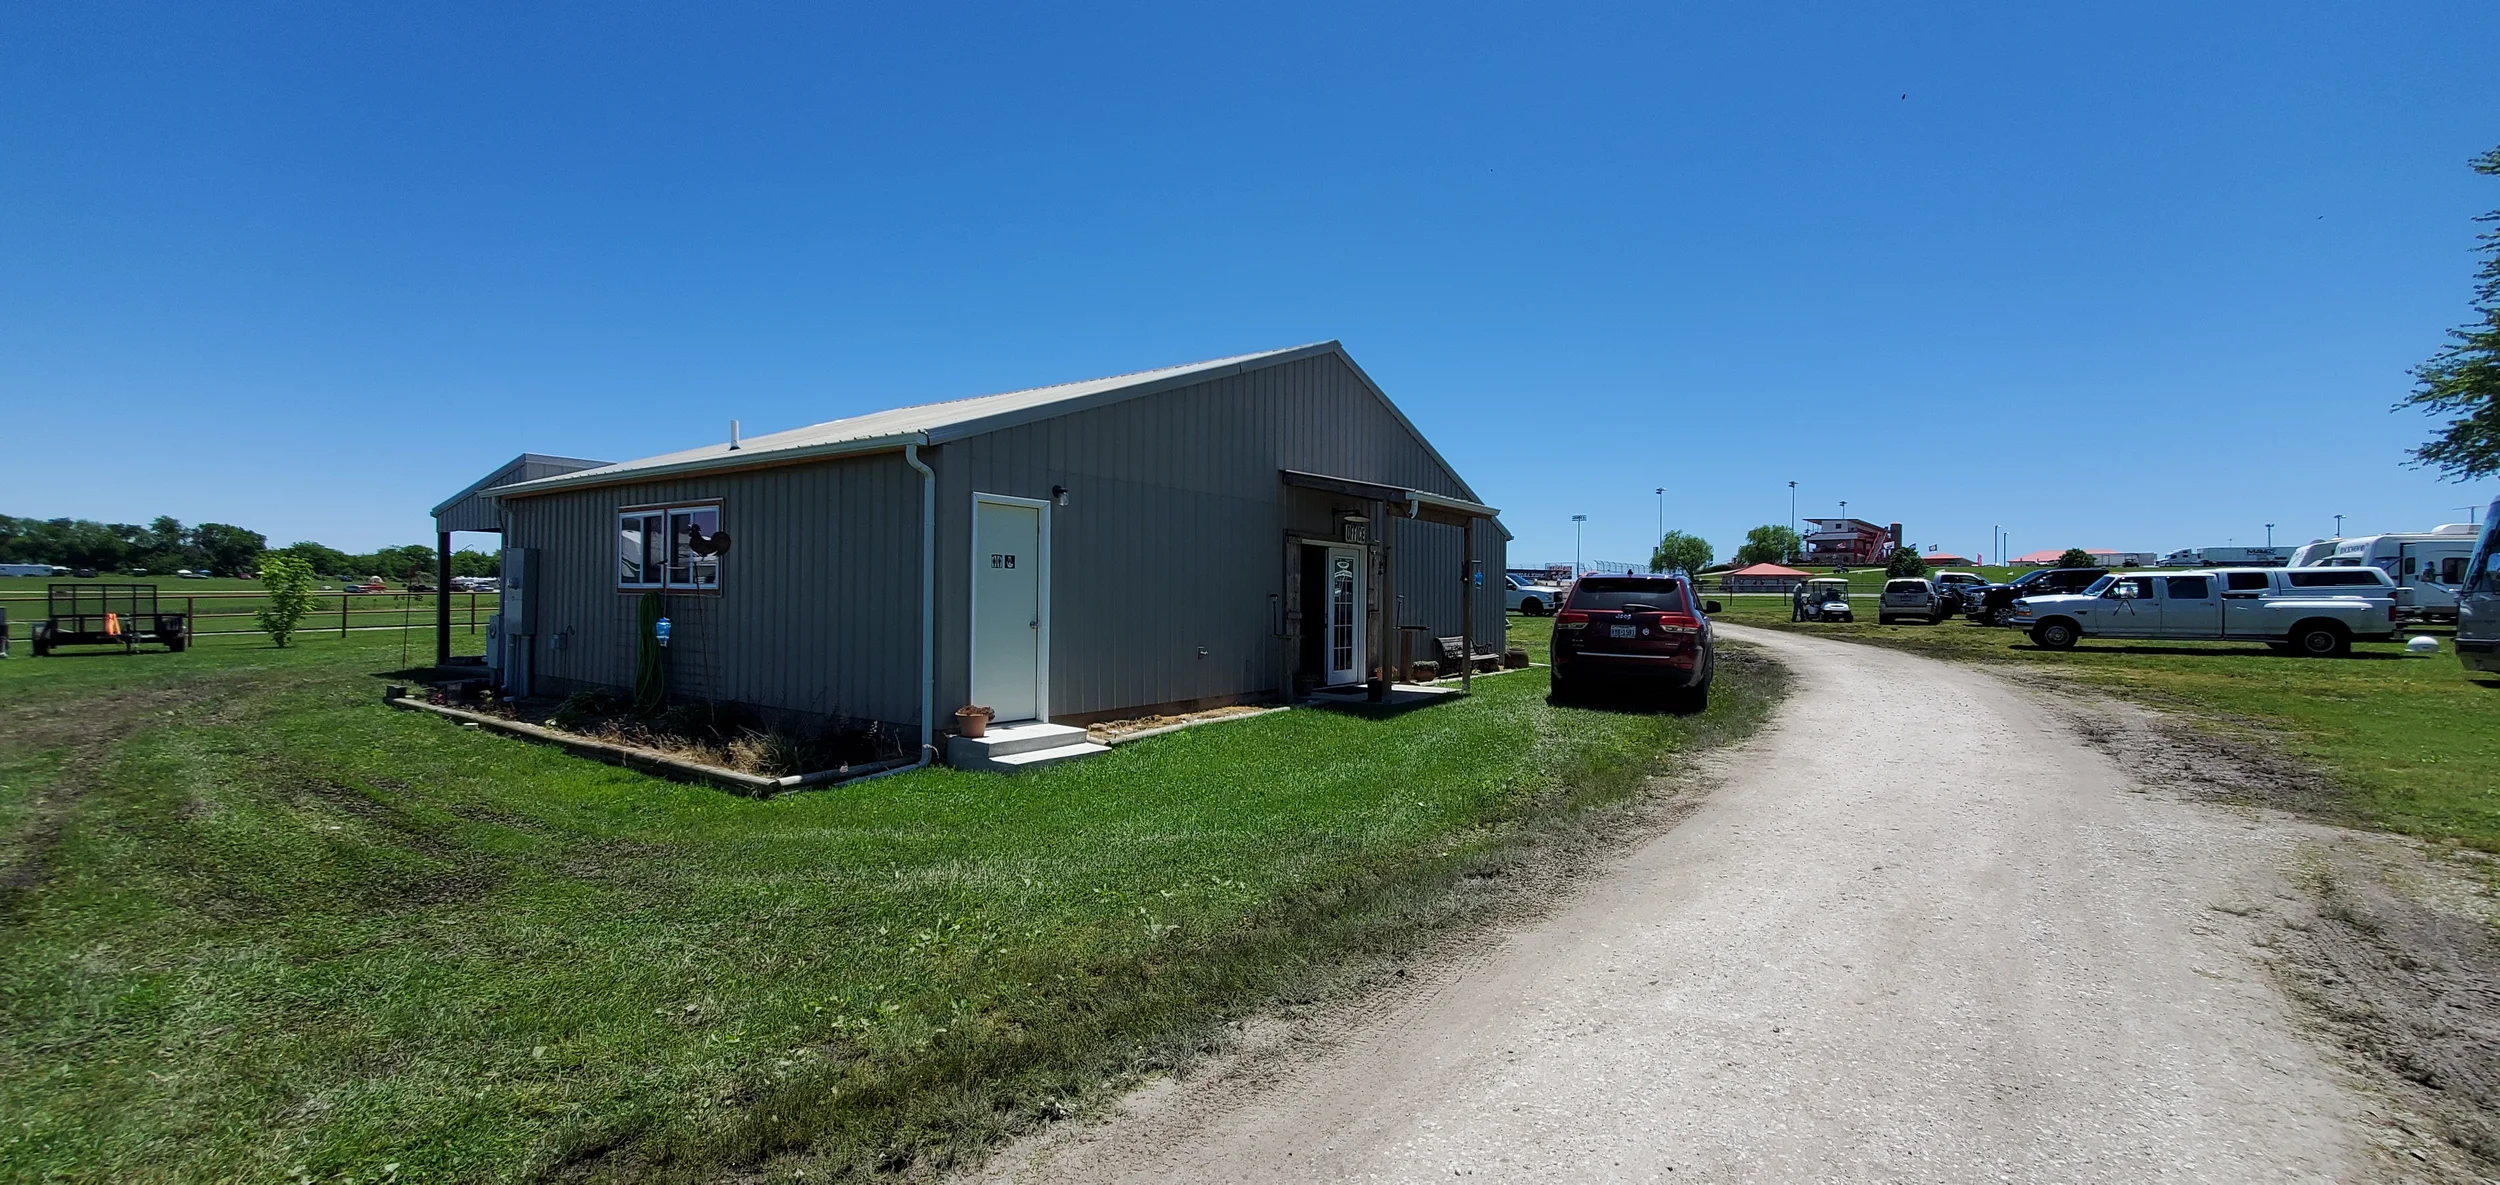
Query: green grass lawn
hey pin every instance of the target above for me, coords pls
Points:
(2413, 740)
(252, 921)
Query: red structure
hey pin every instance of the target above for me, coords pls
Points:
(1762, 578)
(1849, 541)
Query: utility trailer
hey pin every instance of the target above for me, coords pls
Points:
(121, 615)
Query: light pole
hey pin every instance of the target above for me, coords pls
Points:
(1789, 554)
(1576, 565)
(1662, 514)
(2339, 526)
(1993, 530)
(2269, 534)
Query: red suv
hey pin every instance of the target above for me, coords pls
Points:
(1622, 629)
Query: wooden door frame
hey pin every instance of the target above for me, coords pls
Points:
(972, 600)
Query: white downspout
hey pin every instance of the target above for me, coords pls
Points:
(928, 602)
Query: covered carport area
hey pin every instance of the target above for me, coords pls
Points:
(473, 510)
(1380, 519)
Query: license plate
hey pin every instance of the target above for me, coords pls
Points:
(1622, 631)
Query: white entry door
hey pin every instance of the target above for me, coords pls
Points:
(1009, 635)
(1344, 608)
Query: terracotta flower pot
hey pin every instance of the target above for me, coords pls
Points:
(973, 721)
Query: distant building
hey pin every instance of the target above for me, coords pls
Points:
(1946, 559)
(2100, 555)
(1853, 541)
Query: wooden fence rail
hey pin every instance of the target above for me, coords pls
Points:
(354, 611)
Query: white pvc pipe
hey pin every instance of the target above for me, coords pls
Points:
(928, 603)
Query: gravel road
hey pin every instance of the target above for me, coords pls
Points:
(1918, 932)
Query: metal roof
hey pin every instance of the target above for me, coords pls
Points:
(512, 472)
(937, 423)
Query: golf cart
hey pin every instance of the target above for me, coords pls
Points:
(1824, 598)
(121, 615)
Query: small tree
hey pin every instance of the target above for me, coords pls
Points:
(1770, 543)
(2076, 557)
(2462, 382)
(290, 584)
(1679, 552)
(1905, 561)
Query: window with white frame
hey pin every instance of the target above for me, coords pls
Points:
(670, 547)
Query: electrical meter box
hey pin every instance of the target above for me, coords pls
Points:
(520, 591)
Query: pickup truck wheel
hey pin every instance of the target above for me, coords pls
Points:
(1531, 607)
(2321, 639)
(2056, 633)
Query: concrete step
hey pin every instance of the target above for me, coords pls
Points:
(1037, 758)
(1020, 737)
(1020, 746)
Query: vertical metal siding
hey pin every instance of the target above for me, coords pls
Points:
(818, 609)
(1172, 539)
(1172, 542)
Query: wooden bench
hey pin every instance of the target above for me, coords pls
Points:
(1454, 656)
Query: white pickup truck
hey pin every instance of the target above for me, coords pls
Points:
(2312, 611)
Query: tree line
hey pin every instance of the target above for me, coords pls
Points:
(165, 545)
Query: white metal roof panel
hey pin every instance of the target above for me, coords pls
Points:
(927, 423)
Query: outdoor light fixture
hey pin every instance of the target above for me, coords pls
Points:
(1059, 494)
(659, 629)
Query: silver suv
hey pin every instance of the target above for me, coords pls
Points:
(1909, 596)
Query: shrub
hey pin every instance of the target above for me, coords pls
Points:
(290, 584)
(1906, 561)
(2076, 557)
(584, 707)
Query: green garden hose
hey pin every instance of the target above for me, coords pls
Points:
(650, 671)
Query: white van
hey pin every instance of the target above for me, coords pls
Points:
(2432, 563)
(32, 570)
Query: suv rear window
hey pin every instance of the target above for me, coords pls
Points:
(1599, 593)
(2337, 578)
(1905, 585)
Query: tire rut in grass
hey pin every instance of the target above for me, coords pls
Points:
(85, 730)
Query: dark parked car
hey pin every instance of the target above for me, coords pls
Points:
(1958, 590)
(1630, 630)
(1995, 603)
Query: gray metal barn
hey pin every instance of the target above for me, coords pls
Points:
(1222, 532)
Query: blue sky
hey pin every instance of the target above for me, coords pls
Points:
(2139, 277)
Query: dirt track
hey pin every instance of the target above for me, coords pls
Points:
(1919, 932)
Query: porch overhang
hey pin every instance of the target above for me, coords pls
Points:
(1416, 504)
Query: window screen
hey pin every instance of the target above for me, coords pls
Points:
(2247, 581)
(2190, 588)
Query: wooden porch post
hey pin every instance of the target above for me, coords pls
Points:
(442, 598)
(1388, 616)
(1468, 596)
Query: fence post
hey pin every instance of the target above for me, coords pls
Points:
(342, 615)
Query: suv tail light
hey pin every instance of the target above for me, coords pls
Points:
(1677, 624)
(1571, 621)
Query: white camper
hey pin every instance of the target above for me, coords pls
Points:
(2432, 563)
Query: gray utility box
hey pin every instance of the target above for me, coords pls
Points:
(518, 618)
(520, 591)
